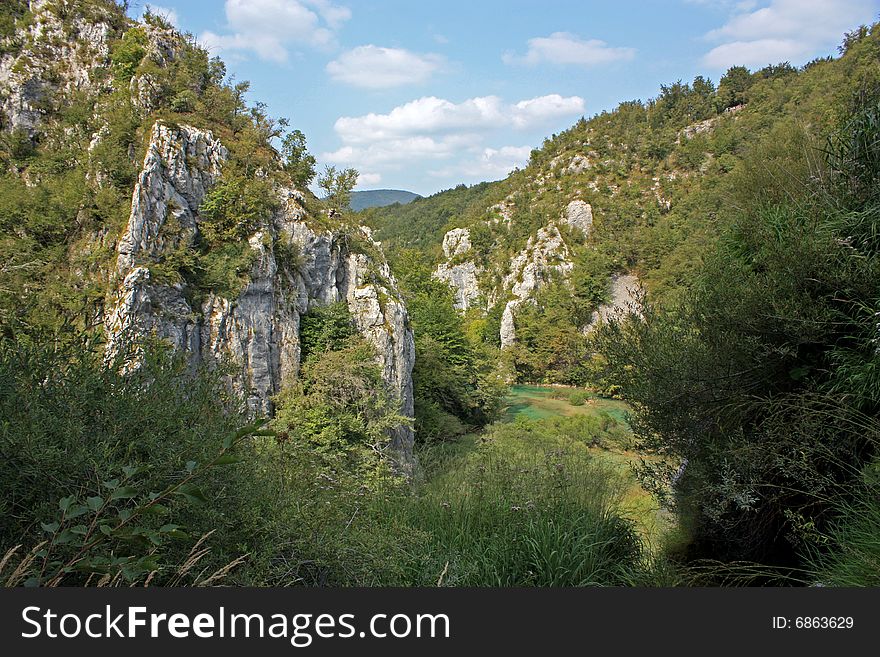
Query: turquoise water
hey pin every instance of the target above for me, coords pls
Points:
(536, 403)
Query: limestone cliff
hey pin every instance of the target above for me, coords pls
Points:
(49, 58)
(547, 256)
(458, 270)
(257, 330)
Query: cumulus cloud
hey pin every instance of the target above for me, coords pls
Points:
(269, 27)
(488, 164)
(395, 152)
(373, 67)
(563, 48)
(431, 116)
(367, 179)
(784, 30)
(448, 136)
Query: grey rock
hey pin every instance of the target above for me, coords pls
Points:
(624, 299)
(61, 56)
(257, 332)
(579, 215)
(545, 258)
(456, 242)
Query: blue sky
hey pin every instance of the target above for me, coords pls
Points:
(423, 95)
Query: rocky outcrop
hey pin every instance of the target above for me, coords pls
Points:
(546, 257)
(457, 242)
(624, 299)
(61, 56)
(460, 273)
(257, 331)
(579, 215)
(179, 167)
(163, 47)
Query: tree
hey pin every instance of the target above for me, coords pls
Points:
(297, 160)
(337, 186)
(733, 86)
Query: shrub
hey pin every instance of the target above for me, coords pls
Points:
(127, 53)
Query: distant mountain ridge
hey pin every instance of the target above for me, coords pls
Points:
(377, 198)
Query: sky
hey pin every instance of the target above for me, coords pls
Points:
(423, 95)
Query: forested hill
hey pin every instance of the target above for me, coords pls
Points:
(375, 198)
(633, 196)
(209, 375)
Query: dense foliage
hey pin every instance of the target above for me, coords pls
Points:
(749, 211)
(663, 177)
(762, 379)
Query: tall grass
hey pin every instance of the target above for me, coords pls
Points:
(511, 516)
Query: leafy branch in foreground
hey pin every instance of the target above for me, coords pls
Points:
(116, 533)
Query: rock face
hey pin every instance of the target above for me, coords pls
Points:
(545, 257)
(460, 274)
(180, 166)
(257, 332)
(624, 291)
(61, 56)
(579, 215)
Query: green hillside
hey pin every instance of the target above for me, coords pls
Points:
(457, 409)
(375, 198)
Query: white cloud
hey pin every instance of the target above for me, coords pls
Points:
(168, 14)
(538, 110)
(489, 164)
(569, 49)
(269, 27)
(449, 135)
(784, 30)
(395, 152)
(373, 67)
(431, 116)
(369, 179)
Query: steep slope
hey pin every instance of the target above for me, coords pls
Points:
(629, 199)
(216, 253)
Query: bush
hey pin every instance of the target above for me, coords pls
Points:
(127, 53)
(759, 378)
(235, 207)
(130, 456)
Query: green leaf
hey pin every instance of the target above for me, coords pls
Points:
(193, 494)
(65, 537)
(112, 484)
(155, 510)
(76, 511)
(65, 502)
(80, 530)
(168, 528)
(190, 466)
(50, 528)
(95, 503)
(105, 529)
(124, 493)
(227, 459)
(130, 471)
